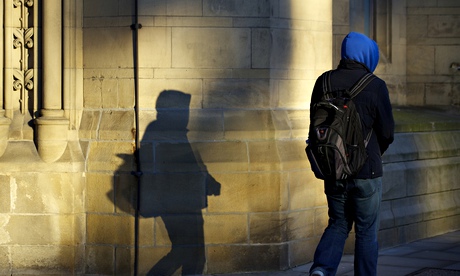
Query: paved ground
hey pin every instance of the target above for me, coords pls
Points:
(437, 256)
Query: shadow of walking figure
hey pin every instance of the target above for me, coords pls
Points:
(175, 185)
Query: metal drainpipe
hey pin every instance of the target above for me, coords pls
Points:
(138, 173)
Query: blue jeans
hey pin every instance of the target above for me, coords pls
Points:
(358, 201)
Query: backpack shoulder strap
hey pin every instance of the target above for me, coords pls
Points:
(327, 84)
(361, 84)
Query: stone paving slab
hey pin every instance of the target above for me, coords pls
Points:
(439, 256)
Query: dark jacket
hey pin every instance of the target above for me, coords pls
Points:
(373, 106)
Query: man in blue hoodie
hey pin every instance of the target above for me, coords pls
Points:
(357, 200)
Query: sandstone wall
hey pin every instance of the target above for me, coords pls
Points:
(224, 89)
(432, 46)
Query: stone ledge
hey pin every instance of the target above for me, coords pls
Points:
(427, 118)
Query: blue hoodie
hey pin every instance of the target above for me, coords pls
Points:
(358, 47)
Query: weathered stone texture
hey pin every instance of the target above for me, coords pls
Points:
(432, 46)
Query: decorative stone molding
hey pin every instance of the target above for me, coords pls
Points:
(52, 131)
(23, 40)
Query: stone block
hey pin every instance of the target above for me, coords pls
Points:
(39, 230)
(392, 186)
(445, 145)
(248, 125)
(449, 174)
(211, 48)
(124, 260)
(125, 192)
(261, 48)
(402, 149)
(89, 124)
(172, 193)
(5, 195)
(264, 156)
(294, 94)
(411, 232)
(321, 220)
(292, 154)
(223, 156)
(236, 258)
(433, 176)
(388, 237)
(155, 47)
(110, 156)
(43, 193)
(268, 227)
(189, 98)
(282, 124)
(416, 29)
(444, 25)
(99, 260)
(125, 93)
(236, 8)
(112, 42)
(311, 10)
(426, 146)
(109, 229)
(149, 256)
(299, 121)
(247, 192)
(407, 210)
(448, 3)
(421, 3)
(45, 260)
(341, 13)
(236, 93)
(5, 265)
(417, 177)
(305, 191)
(302, 251)
(205, 125)
(439, 205)
(441, 226)
(300, 225)
(226, 229)
(186, 21)
(92, 97)
(415, 95)
(98, 196)
(439, 94)
(146, 232)
(184, 7)
(117, 125)
(180, 157)
(422, 60)
(456, 137)
(387, 219)
(148, 7)
(445, 56)
(109, 93)
(100, 8)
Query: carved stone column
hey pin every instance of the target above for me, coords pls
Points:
(52, 126)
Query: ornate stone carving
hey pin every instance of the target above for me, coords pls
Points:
(23, 39)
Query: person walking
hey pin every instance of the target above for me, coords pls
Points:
(356, 200)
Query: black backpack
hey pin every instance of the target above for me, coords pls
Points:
(336, 148)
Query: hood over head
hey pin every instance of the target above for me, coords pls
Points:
(358, 47)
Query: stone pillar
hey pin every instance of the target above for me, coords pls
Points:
(5, 122)
(52, 126)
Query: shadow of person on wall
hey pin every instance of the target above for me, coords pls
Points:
(175, 185)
